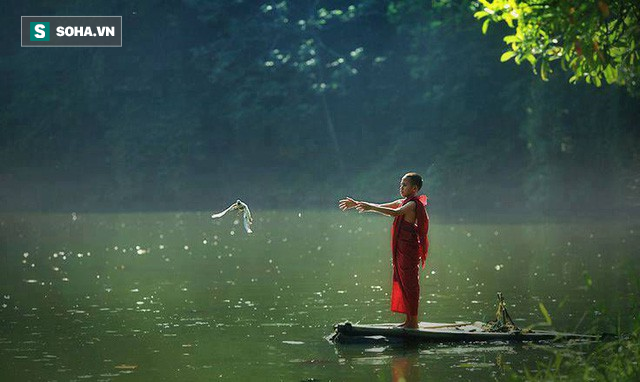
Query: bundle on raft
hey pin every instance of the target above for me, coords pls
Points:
(500, 329)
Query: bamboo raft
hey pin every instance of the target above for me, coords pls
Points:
(501, 329)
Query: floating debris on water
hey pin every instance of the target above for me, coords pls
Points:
(376, 349)
(125, 367)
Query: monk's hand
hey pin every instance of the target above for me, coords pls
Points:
(347, 203)
(363, 206)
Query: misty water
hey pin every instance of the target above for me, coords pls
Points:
(177, 296)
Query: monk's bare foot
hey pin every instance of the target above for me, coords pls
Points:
(411, 322)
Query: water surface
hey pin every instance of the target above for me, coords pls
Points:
(176, 296)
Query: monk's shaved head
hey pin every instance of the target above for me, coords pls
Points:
(415, 179)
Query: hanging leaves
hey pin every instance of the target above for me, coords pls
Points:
(596, 41)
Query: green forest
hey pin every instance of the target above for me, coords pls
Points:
(293, 104)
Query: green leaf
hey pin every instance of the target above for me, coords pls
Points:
(558, 362)
(485, 26)
(531, 58)
(508, 19)
(544, 70)
(506, 56)
(511, 39)
(610, 74)
(480, 14)
(597, 81)
(545, 313)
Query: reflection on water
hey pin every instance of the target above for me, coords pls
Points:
(177, 296)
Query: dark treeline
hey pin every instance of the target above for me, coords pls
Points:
(290, 104)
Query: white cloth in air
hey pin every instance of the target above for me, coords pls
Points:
(240, 206)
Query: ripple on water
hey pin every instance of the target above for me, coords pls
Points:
(373, 361)
(459, 350)
(293, 342)
(472, 365)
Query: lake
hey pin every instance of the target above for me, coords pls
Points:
(177, 296)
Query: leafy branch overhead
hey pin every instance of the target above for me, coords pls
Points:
(596, 40)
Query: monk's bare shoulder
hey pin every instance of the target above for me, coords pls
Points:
(408, 207)
(409, 212)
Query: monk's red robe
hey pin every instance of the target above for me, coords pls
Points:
(409, 246)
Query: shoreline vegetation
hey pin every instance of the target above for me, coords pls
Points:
(613, 359)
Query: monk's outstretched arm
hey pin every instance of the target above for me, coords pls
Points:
(391, 205)
(348, 203)
(394, 204)
(364, 207)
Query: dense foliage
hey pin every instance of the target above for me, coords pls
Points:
(297, 103)
(596, 40)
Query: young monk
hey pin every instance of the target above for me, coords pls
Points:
(409, 243)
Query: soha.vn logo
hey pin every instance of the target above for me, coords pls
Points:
(40, 31)
(67, 31)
